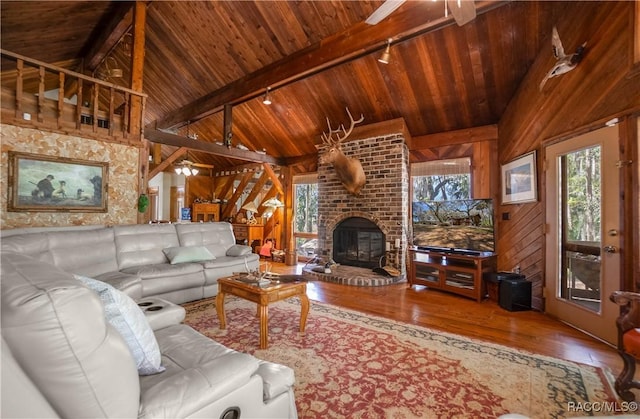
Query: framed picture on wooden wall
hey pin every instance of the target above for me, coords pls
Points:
(519, 180)
(56, 184)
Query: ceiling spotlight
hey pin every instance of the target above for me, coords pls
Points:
(386, 57)
(267, 98)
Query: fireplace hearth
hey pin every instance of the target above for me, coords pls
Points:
(358, 242)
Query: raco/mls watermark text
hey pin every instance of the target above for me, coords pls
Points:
(602, 407)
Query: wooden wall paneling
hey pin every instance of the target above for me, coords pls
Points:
(274, 177)
(258, 187)
(244, 180)
(595, 91)
(224, 186)
(481, 165)
(630, 209)
(199, 187)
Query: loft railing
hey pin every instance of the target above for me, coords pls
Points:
(48, 96)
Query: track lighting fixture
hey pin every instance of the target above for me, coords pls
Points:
(385, 57)
(267, 97)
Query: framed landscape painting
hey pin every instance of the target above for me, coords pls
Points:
(56, 184)
(519, 180)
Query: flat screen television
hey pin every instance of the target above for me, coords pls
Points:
(460, 226)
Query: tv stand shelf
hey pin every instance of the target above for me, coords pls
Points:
(453, 272)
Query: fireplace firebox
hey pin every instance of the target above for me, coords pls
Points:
(358, 242)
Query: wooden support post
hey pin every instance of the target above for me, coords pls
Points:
(137, 67)
(157, 153)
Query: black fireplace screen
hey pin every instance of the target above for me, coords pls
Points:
(358, 242)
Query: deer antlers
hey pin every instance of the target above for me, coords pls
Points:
(327, 138)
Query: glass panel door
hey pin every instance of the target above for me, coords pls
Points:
(580, 184)
(582, 236)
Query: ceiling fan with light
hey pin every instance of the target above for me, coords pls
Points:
(189, 168)
(463, 11)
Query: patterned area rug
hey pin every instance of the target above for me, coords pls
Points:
(353, 365)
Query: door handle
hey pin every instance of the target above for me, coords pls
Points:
(610, 249)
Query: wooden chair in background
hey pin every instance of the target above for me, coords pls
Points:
(628, 324)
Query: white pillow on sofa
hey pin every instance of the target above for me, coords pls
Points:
(187, 254)
(128, 319)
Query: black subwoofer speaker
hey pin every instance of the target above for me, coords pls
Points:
(515, 294)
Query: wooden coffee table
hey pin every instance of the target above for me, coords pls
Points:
(290, 286)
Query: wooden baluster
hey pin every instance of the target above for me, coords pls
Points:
(125, 115)
(96, 98)
(41, 94)
(19, 87)
(141, 116)
(61, 100)
(79, 105)
(111, 109)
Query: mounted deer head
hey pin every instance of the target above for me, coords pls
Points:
(348, 169)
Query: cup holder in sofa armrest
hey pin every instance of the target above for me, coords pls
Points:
(154, 308)
(145, 303)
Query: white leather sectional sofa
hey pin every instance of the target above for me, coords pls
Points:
(136, 258)
(62, 357)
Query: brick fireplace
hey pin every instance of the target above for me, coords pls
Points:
(384, 202)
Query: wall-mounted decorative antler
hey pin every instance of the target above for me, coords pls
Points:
(348, 169)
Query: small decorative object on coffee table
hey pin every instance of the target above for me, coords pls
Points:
(263, 291)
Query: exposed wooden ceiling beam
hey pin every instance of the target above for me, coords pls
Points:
(274, 178)
(105, 40)
(462, 136)
(168, 162)
(354, 42)
(174, 140)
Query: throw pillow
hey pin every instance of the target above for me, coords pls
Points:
(238, 250)
(187, 254)
(128, 319)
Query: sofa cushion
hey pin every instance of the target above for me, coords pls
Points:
(217, 237)
(142, 244)
(183, 254)
(20, 397)
(89, 251)
(57, 331)
(126, 316)
(165, 270)
(127, 283)
(242, 262)
(199, 371)
(238, 250)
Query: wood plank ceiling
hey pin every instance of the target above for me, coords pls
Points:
(441, 77)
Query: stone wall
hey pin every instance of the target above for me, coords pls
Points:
(384, 199)
(123, 177)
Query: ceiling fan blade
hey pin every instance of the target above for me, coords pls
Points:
(190, 163)
(206, 166)
(383, 11)
(463, 11)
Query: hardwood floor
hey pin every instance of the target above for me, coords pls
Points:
(530, 331)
